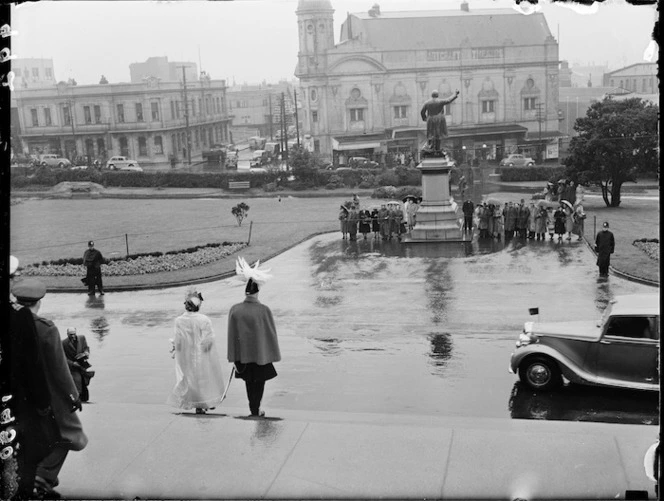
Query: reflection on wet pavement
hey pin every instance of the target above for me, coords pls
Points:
(368, 326)
(585, 403)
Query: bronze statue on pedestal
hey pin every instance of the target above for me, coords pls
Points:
(433, 113)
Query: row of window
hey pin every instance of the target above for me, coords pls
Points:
(201, 137)
(48, 72)
(401, 111)
(646, 84)
(92, 114)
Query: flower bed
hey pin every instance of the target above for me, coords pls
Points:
(649, 246)
(140, 265)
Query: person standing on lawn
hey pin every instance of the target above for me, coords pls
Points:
(65, 400)
(253, 345)
(605, 244)
(199, 380)
(92, 259)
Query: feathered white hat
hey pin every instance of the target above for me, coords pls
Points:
(247, 273)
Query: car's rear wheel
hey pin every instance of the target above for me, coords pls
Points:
(112, 167)
(530, 164)
(510, 165)
(44, 164)
(540, 373)
(61, 165)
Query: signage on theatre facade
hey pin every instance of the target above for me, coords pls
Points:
(455, 54)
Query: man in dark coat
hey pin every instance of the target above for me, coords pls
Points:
(26, 399)
(468, 208)
(522, 219)
(77, 352)
(64, 397)
(92, 259)
(510, 220)
(252, 338)
(604, 246)
(433, 113)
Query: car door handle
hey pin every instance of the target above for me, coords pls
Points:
(604, 341)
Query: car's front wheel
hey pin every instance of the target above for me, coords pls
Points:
(61, 165)
(112, 167)
(540, 373)
(44, 164)
(510, 165)
(530, 164)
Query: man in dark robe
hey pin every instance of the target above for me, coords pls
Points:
(253, 345)
(77, 352)
(64, 397)
(433, 113)
(26, 399)
(605, 244)
(92, 259)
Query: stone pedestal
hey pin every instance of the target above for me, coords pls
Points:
(438, 218)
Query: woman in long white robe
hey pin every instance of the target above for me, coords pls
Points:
(199, 379)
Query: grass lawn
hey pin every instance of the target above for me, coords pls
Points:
(48, 229)
(633, 220)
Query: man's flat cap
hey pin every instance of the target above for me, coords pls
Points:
(30, 290)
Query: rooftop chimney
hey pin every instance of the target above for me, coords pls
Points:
(375, 10)
(465, 7)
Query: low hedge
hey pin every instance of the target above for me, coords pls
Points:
(513, 174)
(161, 179)
(355, 178)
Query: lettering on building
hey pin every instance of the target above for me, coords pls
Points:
(491, 53)
(443, 55)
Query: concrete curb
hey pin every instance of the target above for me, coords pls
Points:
(622, 274)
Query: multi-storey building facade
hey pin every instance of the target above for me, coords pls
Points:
(162, 69)
(258, 107)
(364, 95)
(639, 77)
(146, 121)
(31, 73)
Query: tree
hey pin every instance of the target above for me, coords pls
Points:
(240, 212)
(617, 140)
(304, 164)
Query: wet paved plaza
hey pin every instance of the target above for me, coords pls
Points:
(373, 326)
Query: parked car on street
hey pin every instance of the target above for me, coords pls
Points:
(51, 160)
(123, 163)
(362, 163)
(259, 158)
(517, 160)
(620, 351)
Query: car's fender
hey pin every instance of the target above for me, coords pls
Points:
(570, 369)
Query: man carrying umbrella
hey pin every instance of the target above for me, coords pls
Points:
(569, 219)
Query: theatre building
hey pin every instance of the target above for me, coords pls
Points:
(362, 96)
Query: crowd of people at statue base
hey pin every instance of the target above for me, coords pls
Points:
(518, 219)
(391, 220)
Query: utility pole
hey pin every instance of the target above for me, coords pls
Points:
(297, 124)
(186, 115)
(540, 118)
(269, 97)
(284, 134)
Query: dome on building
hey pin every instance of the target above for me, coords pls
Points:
(304, 6)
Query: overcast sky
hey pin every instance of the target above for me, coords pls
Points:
(255, 40)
